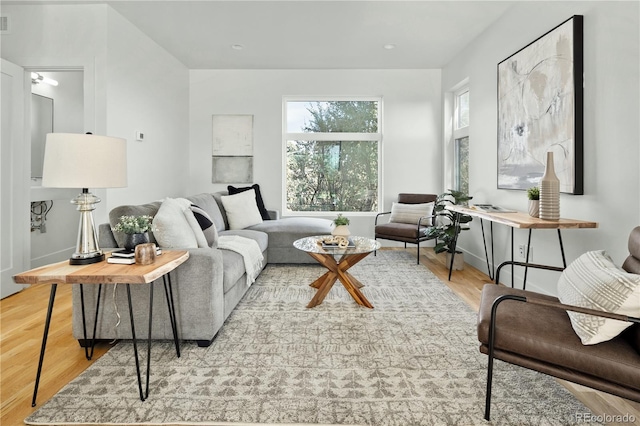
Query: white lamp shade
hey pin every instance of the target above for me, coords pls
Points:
(84, 161)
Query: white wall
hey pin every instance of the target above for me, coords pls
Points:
(411, 124)
(611, 127)
(130, 84)
(147, 91)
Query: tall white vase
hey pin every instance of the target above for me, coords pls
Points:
(549, 192)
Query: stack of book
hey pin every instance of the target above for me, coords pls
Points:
(126, 257)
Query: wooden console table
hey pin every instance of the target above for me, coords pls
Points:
(108, 273)
(518, 220)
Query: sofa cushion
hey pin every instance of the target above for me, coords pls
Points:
(283, 232)
(410, 213)
(149, 209)
(171, 227)
(259, 202)
(233, 263)
(594, 281)
(241, 209)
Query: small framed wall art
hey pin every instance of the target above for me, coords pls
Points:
(232, 149)
(540, 109)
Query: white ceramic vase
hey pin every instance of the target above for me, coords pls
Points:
(550, 192)
(341, 231)
(534, 208)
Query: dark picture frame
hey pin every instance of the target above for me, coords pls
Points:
(541, 109)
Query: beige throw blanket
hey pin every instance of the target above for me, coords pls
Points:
(249, 250)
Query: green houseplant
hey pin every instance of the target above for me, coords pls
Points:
(533, 194)
(135, 228)
(445, 230)
(341, 226)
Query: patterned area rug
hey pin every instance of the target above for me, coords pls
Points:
(413, 360)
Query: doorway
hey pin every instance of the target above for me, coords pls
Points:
(57, 105)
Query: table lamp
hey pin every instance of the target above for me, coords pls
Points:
(85, 161)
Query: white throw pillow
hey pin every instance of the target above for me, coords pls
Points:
(411, 213)
(195, 227)
(593, 281)
(171, 228)
(242, 210)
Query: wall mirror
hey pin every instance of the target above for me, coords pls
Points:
(41, 124)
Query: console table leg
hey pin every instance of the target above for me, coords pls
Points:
(526, 268)
(564, 260)
(456, 224)
(47, 323)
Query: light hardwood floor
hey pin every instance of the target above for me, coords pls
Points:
(22, 321)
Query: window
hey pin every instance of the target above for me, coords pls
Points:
(461, 141)
(332, 155)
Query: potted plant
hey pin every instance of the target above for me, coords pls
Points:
(135, 228)
(445, 229)
(533, 194)
(341, 226)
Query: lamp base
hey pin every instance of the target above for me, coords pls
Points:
(86, 260)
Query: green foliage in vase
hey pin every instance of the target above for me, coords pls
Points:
(134, 224)
(533, 193)
(445, 230)
(341, 220)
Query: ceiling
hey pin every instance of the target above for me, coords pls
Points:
(306, 34)
(312, 34)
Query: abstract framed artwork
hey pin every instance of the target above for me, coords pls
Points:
(232, 148)
(540, 109)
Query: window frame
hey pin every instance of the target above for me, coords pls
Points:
(459, 133)
(330, 136)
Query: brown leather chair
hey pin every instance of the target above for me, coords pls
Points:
(533, 330)
(405, 232)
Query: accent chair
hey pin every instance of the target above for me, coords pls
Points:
(409, 221)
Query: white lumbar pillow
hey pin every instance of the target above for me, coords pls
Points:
(170, 226)
(242, 210)
(593, 281)
(411, 213)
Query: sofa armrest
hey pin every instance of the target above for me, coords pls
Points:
(274, 214)
(106, 238)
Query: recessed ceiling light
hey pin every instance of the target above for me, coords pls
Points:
(237, 46)
(389, 46)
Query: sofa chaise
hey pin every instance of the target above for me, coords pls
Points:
(207, 287)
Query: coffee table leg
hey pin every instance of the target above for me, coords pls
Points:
(338, 271)
(323, 289)
(47, 323)
(353, 290)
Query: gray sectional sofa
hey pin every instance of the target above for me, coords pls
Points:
(206, 288)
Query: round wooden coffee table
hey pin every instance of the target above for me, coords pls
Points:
(337, 260)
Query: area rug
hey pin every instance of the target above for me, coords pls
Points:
(412, 360)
